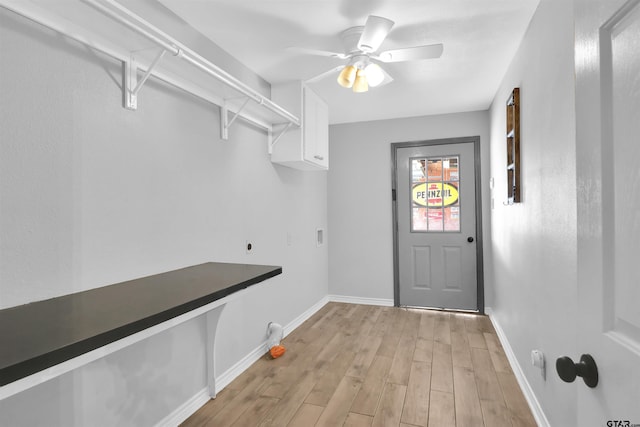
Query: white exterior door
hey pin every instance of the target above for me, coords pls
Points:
(436, 226)
(608, 168)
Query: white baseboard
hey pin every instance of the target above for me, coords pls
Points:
(234, 372)
(196, 402)
(186, 410)
(304, 316)
(239, 367)
(536, 409)
(358, 300)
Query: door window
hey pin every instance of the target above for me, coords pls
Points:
(435, 189)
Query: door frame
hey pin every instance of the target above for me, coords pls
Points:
(395, 146)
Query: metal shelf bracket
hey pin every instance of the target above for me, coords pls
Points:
(273, 141)
(131, 84)
(225, 122)
(119, 17)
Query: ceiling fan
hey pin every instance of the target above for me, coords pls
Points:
(361, 49)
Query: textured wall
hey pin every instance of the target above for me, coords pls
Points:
(92, 194)
(534, 243)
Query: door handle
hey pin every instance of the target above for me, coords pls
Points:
(470, 239)
(586, 368)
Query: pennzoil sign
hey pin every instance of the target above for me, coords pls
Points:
(434, 194)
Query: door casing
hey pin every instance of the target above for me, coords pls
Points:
(479, 240)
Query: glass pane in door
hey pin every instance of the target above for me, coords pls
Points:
(435, 187)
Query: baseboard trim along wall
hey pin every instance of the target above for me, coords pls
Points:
(293, 325)
(202, 397)
(234, 372)
(186, 410)
(536, 409)
(358, 300)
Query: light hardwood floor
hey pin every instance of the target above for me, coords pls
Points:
(357, 365)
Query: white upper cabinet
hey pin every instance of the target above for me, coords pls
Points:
(307, 147)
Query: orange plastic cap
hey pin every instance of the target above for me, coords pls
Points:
(277, 351)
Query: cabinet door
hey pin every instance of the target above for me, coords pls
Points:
(316, 129)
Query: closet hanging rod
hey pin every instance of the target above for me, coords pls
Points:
(181, 51)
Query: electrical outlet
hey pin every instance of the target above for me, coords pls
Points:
(319, 237)
(538, 360)
(248, 246)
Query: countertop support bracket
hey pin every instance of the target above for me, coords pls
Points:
(212, 318)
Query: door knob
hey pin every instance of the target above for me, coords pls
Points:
(586, 368)
(470, 239)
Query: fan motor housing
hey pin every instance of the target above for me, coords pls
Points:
(350, 38)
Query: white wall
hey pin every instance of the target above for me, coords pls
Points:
(534, 243)
(93, 194)
(360, 208)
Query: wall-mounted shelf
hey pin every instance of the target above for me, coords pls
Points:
(45, 339)
(109, 27)
(513, 147)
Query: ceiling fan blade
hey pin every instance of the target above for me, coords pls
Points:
(412, 53)
(316, 52)
(324, 74)
(375, 31)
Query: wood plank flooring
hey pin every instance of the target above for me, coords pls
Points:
(357, 365)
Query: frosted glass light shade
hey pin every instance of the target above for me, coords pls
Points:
(375, 75)
(347, 76)
(360, 85)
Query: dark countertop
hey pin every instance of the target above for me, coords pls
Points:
(42, 334)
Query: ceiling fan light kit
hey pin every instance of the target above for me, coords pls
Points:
(347, 76)
(361, 49)
(360, 85)
(375, 75)
(360, 76)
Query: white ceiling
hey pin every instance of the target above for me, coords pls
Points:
(480, 38)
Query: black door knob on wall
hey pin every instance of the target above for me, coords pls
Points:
(586, 368)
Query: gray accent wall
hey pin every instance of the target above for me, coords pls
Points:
(360, 208)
